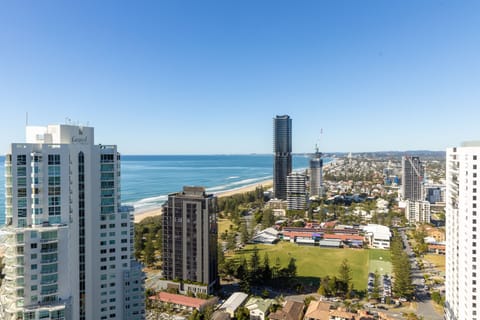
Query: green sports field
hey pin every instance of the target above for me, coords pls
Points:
(380, 261)
(319, 262)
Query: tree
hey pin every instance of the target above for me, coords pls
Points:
(345, 275)
(195, 315)
(149, 251)
(276, 268)
(255, 264)
(244, 234)
(231, 240)
(332, 286)
(376, 286)
(242, 313)
(292, 268)
(266, 270)
(207, 313)
(268, 219)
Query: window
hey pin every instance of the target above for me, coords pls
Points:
(53, 159)
(21, 160)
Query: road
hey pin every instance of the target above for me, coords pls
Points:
(425, 306)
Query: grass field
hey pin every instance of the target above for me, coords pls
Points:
(223, 224)
(380, 261)
(314, 262)
(437, 259)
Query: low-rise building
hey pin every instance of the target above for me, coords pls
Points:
(378, 236)
(233, 303)
(292, 310)
(318, 310)
(259, 308)
(182, 302)
(268, 236)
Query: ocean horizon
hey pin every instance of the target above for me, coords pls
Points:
(147, 180)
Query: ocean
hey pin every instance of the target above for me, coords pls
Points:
(146, 181)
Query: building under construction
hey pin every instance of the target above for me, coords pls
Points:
(413, 172)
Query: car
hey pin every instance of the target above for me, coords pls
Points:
(402, 299)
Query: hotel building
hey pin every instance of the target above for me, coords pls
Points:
(462, 285)
(189, 248)
(68, 241)
(282, 150)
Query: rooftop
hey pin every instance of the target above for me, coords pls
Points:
(179, 299)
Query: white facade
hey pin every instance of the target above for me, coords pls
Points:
(296, 191)
(233, 303)
(462, 233)
(69, 248)
(378, 236)
(417, 211)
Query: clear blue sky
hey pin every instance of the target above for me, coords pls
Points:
(202, 77)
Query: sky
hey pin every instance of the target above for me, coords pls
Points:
(208, 77)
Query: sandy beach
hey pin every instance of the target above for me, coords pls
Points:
(158, 211)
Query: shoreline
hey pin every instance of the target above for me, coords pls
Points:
(156, 211)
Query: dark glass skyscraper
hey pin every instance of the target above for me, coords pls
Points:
(282, 150)
(189, 249)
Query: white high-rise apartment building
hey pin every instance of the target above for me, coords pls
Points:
(417, 211)
(296, 191)
(462, 285)
(69, 242)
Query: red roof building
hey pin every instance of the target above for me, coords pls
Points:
(183, 302)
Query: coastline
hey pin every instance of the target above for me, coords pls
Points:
(156, 211)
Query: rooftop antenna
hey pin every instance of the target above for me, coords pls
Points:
(26, 118)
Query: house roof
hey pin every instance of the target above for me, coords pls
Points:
(292, 310)
(234, 301)
(343, 314)
(319, 310)
(343, 237)
(179, 299)
(258, 303)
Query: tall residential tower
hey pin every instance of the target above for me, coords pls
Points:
(282, 149)
(413, 173)
(296, 191)
(69, 242)
(462, 284)
(316, 172)
(189, 248)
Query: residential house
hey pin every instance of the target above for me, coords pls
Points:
(259, 308)
(292, 310)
